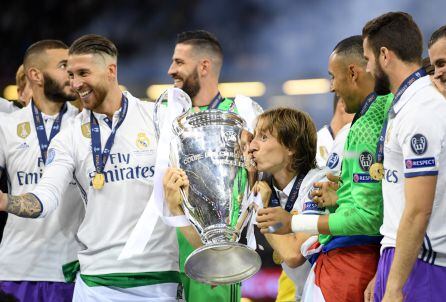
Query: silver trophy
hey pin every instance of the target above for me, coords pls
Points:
(208, 147)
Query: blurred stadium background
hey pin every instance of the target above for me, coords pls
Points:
(275, 51)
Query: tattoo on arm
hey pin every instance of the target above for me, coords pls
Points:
(26, 205)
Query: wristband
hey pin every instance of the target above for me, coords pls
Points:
(304, 223)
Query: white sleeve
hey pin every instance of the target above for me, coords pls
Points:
(421, 143)
(58, 171)
(305, 204)
(6, 106)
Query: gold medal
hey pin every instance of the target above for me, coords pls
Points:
(98, 181)
(276, 258)
(377, 171)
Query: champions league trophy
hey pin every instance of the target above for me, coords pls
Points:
(207, 145)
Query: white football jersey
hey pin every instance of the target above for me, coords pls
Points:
(7, 106)
(111, 212)
(334, 161)
(415, 146)
(35, 249)
(325, 141)
(303, 205)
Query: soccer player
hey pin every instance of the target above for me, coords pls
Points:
(413, 253)
(110, 148)
(349, 234)
(33, 252)
(330, 148)
(437, 55)
(284, 145)
(195, 68)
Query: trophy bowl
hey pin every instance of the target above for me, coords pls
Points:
(208, 147)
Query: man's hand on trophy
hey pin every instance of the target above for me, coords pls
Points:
(324, 193)
(274, 220)
(173, 180)
(264, 189)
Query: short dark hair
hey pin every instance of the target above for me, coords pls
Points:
(436, 35)
(398, 32)
(351, 47)
(201, 39)
(39, 47)
(93, 44)
(296, 131)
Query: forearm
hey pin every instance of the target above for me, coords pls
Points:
(360, 214)
(26, 205)
(191, 235)
(288, 247)
(357, 222)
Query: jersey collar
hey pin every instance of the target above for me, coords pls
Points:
(410, 92)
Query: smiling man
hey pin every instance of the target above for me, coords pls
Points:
(196, 64)
(110, 148)
(33, 252)
(195, 68)
(437, 55)
(412, 146)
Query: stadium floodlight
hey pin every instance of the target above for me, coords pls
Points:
(306, 86)
(10, 92)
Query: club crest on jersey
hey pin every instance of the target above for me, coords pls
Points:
(333, 160)
(142, 141)
(23, 129)
(418, 143)
(86, 130)
(365, 160)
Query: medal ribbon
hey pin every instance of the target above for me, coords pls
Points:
(403, 87)
(274, 200)
(216, 101)
(40, 128)
(100, 157)
(365, 106)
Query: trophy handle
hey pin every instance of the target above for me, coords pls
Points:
(157, 112)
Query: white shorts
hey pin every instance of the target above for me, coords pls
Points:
(165, 292)
(312, 292)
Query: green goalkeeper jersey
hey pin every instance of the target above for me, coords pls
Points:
(359, 208)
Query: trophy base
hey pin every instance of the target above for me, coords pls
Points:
(222, 263)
